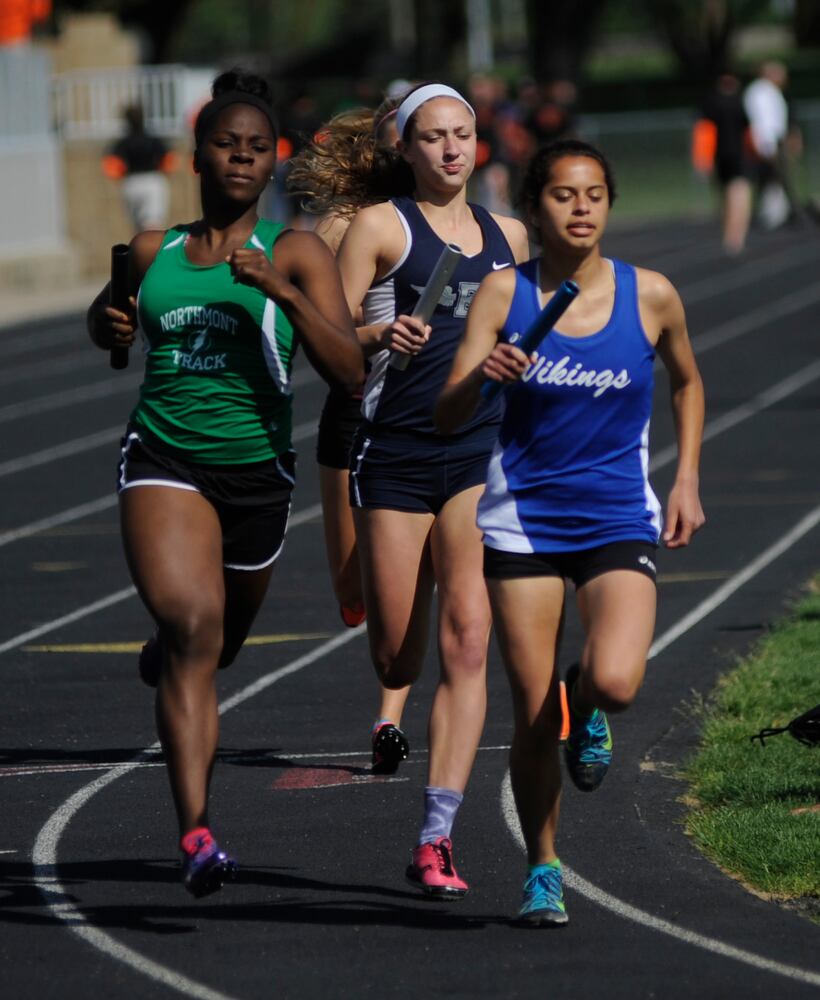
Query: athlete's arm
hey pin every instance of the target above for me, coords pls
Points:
(109, 327)
(303, 281)
(662, 305)
(516, 235)
(372, 245)
(480, 355)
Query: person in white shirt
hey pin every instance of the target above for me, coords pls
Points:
(774, 143)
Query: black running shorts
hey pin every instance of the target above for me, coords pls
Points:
(398, 470)
(252, 501)
(580, 566)
(340, 419)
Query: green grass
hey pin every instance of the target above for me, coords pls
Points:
(745, 796)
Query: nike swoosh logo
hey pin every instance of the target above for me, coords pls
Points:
(500, 267)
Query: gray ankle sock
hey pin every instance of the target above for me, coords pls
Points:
(440, 808)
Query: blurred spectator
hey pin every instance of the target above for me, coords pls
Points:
(140, 162)
(490, 185)
(17, 17)
(775, 143)
(552, 116)
(720, 148)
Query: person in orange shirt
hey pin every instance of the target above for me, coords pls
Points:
(17, 17)
(140, 161)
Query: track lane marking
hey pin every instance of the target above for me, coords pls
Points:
(135, 647)
(718, 336)
(768, 397)
(92, 441)
(44, 853)
(302, 517)
(625, 910)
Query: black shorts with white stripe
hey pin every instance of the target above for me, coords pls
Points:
(252, 501)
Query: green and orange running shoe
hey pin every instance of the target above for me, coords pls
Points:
(588, 749)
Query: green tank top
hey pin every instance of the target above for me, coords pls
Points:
(218, 357)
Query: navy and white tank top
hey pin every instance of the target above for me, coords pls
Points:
(404, 400)
(569, 469)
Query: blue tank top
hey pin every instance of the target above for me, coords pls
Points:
(569, 469)
(404, 400)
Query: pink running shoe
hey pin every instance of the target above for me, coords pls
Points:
(432, 870)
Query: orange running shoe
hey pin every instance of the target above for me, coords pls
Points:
(352, 617)
(564, 713)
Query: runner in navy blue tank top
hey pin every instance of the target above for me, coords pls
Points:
(349, 164)
(567, 491)
(414, 491)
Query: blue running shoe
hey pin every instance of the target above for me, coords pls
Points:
(588, 749)
(206, 869)
(543, 901)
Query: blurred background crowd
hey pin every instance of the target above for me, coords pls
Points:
(708, 108)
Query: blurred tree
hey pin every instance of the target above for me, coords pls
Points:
(700, 32)
(807, 24)
(440, 29)
(560, 34)
(158, 20)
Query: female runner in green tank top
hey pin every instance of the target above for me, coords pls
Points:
(207, 466)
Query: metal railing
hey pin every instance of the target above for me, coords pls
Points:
(88, 104)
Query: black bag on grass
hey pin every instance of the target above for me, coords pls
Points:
(805, 729)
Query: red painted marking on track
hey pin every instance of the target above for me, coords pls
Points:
(330, 776)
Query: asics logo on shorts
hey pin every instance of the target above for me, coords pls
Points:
(646, 561)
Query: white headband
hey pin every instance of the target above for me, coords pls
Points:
(414, 101)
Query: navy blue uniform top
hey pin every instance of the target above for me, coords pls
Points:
(404, 400)
(570, 468)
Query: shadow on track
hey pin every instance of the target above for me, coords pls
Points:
(23, 904)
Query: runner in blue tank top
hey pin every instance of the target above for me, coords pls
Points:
(413, 490)
(567, 491)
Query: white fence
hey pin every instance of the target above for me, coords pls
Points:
(31, 168)
(88, 104)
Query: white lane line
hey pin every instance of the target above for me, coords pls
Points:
(55, 520)
(29, 770)
(28, 343)
(98, 390)
(301, 517)
(58, 900)
(707, 606)
(83, 612)
(44, 854)
(767, 398)
(774, 394)
(714, 285)
(628, 912)
(74, 447)
(50, 366)
(78, 445)
(68, 397)
(44, 858)
(778, 309)
(618, 906)
(702, 343)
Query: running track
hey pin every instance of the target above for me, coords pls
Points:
(91, 900)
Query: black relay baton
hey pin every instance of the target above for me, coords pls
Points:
(118, 297)
(537, 330)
